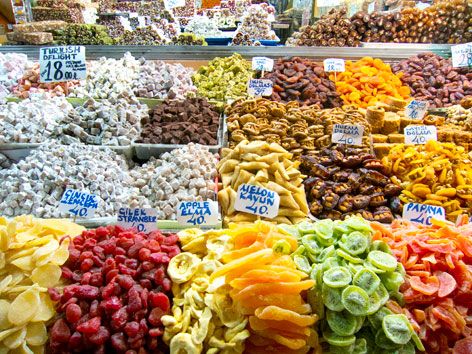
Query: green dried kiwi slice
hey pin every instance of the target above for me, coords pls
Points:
(357, 223)
(332, 298)
(408, 348)
(317, 275)
(379, 245)
(354, 268)
(376, 270)
(354, 243)
(383, 294)
(324, 230)
(311, 244)
(400, 269)
(360, 322)
(360, 346)
(341, 322)
(305, 227)
(302, 263)
(327, 252)
(340, 341)
(337, 277)
(374, 303)
(392, 280)
(339, 228)
(415, 338)
(382, 260)
(343, 254)
(376, 318)
(316, 302)
(331, 262)
(334, 349)
(355, 300)
(396, 328)
(367, 280)
(311, 257)
(383, 342)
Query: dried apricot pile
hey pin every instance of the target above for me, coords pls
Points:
(356, 278)
(368, 81)
(267, 287)
(436, 173)
(31, 253)
(438, 283)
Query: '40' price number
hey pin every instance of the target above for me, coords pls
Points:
(78, 211)
(258, 209)
(346, 139)
(196, 220)
(419, 139)
(56, 70)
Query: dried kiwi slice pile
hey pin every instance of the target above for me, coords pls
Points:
(356, 278)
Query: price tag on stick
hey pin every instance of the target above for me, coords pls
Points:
(197, 213)
(78, 203)
(64, 63)
(143, 219)
(423, 213)
(462, 55)
(262, 64)
(170, 4)
(420, 134)
(416, 109)
(347, 134)
(257, 200)
(334, 65)
(260, 87)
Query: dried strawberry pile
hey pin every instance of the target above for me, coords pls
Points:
(119, 292)
(438, 284)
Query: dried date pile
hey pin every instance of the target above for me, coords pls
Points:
(118, 293)
(432, 78)
(348, 181)
(303, 80)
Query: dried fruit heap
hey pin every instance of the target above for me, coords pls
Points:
(438, 286)
(435, 174)
(368, 81)
(119, 292)
(356, 278)
(349, 181)
(267, 287)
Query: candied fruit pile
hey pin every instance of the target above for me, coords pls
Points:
(118, 293)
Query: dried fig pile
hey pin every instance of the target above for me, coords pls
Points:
(347, 181)
(303, 80)
(432, 78)
(181, 122)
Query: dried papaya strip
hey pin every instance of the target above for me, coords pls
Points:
(260, 325)
(271, 288)
(280, 314)
(288, 340)
(257, 276)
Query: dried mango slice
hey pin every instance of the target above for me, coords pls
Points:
(45, 310)
(15, 339)
(24, 307)
(4, 307)
(260, 325)
(36, 334)
(270, 288)
(257, 276)
(280, 314)
(47, 275)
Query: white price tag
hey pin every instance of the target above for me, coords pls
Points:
(371, 7)
(262, 64)
(461, 55)
(348, 134)
(260, 87)
(62, 63)
(328, 3)
(423, 213)
(334, 65)
(197, 213)
(78, 203)
(422, 5)
(257, 200)
(143, 219)
(420, 134)
(170, 4)
(416, 109)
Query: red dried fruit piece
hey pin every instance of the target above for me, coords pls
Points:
(118, 342)
(170, 240)
(75, 340)
(159, 300)
(134, 301)
(159, 257)
(96, 279)
(91, 326)
(86, 278)
(86, 265)
(112, 304)
(94, 311)
(66, 273)
(60, 332)
(119, 318)
(73, 313)
(154, 317)
(166, 284)
(447, 283)
(463, 346)
(110, 275)
(429, 287)
(101, 232)
(143, 254)
(131, 329)
(87, 292)
(100, 337)
(125, 281)
(54, 294)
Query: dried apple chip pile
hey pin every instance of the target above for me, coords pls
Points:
(435, 174)
(438, 285)
(203, 319)
(355, 279)
(266, 286)
(31, 253)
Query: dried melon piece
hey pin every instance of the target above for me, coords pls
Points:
(15, 339)
(45, 310)
(36, 333)
(47, 275)
(24, 307)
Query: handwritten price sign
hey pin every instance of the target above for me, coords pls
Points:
(257, 200)
(423, 213)
(420, 134)
(78, 203)
(260, 87)
(197, 213)
(143, 219)
(416, 109)
(334, 65)
(461, 55)
(262, 64)
(65, 63)
(347, 134)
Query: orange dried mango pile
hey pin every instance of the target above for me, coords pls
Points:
(267, 287)
(368, 81)
(438, 286)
